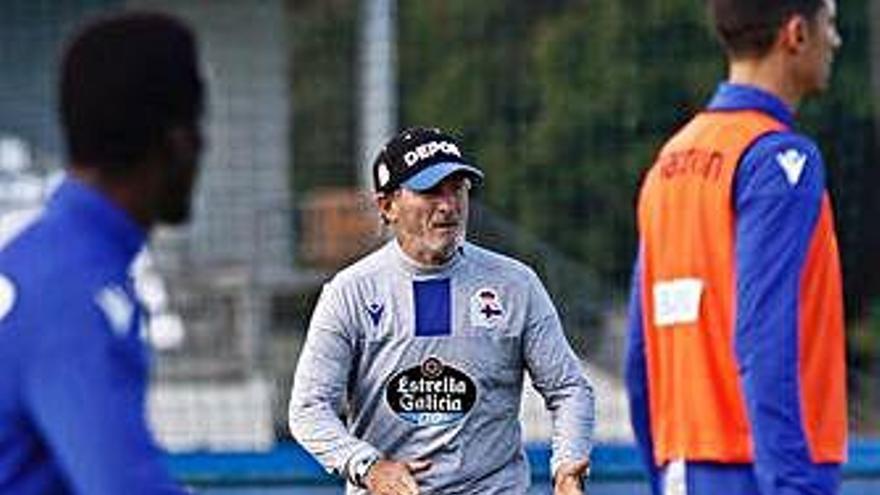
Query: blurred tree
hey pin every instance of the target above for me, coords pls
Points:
(564, 103)
(322, 39)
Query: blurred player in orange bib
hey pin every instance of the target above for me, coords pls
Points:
(736, 365)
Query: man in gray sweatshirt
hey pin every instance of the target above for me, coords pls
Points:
(411, 377)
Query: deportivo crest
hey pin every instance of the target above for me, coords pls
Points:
(431, 393)
(486, 308)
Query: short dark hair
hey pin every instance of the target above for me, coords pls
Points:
(750, 27)
(125, 80)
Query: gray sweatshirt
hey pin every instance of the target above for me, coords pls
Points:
(414, 363)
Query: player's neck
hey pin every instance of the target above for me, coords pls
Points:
(769, 75)
(418, 265)
(121, 191)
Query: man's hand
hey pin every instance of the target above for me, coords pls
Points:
(569, 476)
(388, 477)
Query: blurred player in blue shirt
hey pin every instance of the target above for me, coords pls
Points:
(73, 365)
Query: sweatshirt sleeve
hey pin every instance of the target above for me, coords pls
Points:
(778, 193)
(556, 374)
(86, 394)
(318, 398)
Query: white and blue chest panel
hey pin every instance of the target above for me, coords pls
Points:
(443, 346)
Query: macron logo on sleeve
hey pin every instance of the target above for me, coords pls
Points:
(7, 296)
(117, 307)
(792, 163)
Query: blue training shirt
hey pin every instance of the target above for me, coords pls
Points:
(73, 366)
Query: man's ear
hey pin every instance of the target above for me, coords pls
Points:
(794, 34)
(385, 205)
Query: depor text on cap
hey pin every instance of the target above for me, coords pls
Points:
(419, 158)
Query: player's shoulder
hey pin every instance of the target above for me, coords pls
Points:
(29, 239)
(32, 288)
(782, 162)
(29, 255)
(771, 143)
(41, 251)
(364, 269)
(49, 270)
(497, 263)
(19, 267)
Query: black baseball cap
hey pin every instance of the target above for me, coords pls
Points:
(419, 158)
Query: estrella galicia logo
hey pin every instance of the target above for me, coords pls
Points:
(431, 393)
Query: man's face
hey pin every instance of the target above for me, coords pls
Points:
(822, 43)
(429, 225)
(177, 182)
